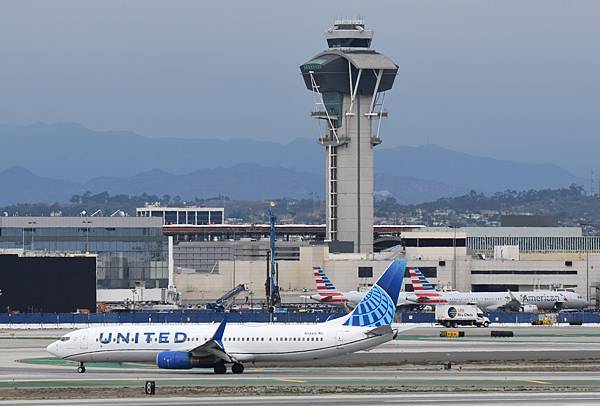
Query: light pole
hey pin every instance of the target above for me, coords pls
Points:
(133, 299)
(234, 257)
(587, 263)
(453, 257)
(587, 275)
(31, 223)
(87, 234)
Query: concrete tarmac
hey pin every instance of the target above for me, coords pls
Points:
(411, 363)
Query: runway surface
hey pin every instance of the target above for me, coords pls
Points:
(411, 363)
(494, 398)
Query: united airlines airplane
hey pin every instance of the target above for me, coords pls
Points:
(328, 293)
(186, 346)
(527, 301)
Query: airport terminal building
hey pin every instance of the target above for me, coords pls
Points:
(468, 259)
(210, 259)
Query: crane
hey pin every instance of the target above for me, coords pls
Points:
(272, 284)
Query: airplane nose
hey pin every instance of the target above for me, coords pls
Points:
(53, 348)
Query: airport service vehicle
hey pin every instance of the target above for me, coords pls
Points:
(327, 292)
(215, 345)
(464, 315)
(527, 301)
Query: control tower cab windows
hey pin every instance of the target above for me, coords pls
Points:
(349, 43)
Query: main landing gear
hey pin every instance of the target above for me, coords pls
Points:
(81, 368)
(220, 369)
(237, 368)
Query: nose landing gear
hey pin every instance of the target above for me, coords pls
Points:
(81, 368)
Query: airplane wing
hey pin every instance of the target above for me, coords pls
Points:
(513, 303)
(214, 347)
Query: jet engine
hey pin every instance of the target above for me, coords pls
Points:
(529, 308)
(174, 360)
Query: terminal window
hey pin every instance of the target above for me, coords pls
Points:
(365, 271)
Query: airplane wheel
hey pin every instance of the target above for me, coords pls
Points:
(81, 369)
(220, 369)
(486, 324)
(237, 368)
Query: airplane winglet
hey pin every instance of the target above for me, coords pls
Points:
(513, 297)
(218, 336)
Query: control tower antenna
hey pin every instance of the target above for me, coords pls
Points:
(350, 80)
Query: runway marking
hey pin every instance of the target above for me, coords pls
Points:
(540, 382)
(290, 380)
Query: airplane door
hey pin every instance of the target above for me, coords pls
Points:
(84, 341)
(339, 339)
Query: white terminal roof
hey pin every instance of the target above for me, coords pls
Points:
(187, 208)
(523, 231)
(78, 222)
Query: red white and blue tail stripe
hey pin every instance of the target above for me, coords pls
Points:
(325, 288)
(423, 289)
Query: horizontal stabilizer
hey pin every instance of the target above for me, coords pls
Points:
(381, 330)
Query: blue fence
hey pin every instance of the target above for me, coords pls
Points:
(249, 317)
(156, 317)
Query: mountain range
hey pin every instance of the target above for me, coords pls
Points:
(50, 162)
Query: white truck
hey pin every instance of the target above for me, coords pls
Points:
(460, 315)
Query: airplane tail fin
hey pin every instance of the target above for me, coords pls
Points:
(324, 286)
(419, 281)
(378, 307)
(423, 290)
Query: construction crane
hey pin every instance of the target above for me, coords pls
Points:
(272, 283)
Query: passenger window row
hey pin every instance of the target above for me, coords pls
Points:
(273, 339)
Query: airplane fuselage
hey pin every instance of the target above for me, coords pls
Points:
(542, 299)
(245, 342)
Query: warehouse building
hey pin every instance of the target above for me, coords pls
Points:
(131, 251)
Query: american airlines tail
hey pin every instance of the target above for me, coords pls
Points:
(424, 291)
(326, 291)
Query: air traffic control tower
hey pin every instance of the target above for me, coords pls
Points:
(349, 80)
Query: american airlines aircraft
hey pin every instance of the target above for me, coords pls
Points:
(327, 292)
(526, 301)
(186, 346)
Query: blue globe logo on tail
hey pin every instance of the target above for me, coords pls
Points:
(378, 307)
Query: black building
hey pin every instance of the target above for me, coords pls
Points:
(47, 283)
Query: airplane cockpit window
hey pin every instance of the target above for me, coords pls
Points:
(65, 338)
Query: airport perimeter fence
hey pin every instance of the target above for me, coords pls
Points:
(254, 317)
(509, 317)
(162, 317)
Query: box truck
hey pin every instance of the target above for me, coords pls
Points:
(460, 315)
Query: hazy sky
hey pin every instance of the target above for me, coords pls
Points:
(509, 79)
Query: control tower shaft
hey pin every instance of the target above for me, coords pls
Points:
(350, 80)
